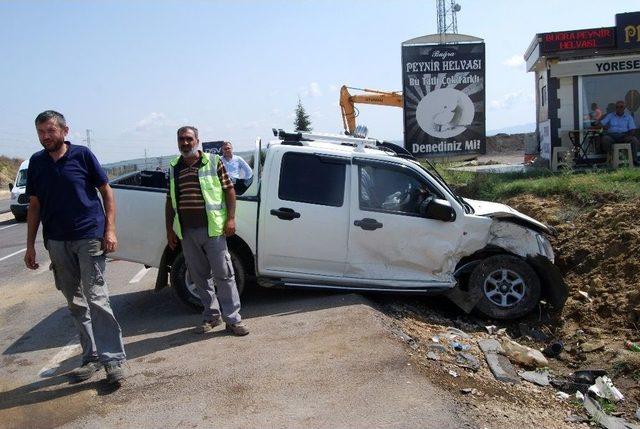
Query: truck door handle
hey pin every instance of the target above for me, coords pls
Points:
(285, 213)
(368, 224)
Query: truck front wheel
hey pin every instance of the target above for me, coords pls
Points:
(185, 288)
(508, 287)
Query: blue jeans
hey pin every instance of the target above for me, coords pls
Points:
(78, 269)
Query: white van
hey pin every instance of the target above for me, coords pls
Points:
(19, 199)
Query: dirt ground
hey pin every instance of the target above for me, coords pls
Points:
(597, 250)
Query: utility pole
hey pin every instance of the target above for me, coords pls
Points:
(145, 159)
(88, 139)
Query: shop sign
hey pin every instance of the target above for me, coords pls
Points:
(600, 65)
(592, 38)
(444, 99)
(628, 30)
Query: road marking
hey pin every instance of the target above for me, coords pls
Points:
(139, 275)
(9, 226)
(67, 351)
(13, 254)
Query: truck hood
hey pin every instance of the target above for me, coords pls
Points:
(508, 214)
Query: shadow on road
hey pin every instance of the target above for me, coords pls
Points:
(147, 312)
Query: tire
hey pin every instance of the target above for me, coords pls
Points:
(508, 287)
(185, 289)
(20, 217)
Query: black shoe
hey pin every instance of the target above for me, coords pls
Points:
(115, 372)
(85, 371)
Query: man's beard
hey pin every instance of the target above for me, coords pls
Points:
(189, 153)
(55, 147)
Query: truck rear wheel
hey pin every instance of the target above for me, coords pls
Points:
(186, 290)
(508, 287)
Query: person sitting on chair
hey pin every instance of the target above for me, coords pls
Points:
(619, 128)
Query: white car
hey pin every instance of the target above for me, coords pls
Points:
(19, 199)
(337, 212)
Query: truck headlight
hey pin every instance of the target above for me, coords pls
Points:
(544, 247)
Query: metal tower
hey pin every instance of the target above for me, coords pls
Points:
(447, 20)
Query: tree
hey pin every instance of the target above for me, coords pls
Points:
(302, 122)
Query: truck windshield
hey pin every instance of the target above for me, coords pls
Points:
(433, 172)
(21, 180)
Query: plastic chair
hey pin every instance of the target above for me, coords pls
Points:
(620, 155)
(561, 157)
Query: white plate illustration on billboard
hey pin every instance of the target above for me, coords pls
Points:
(445, 112)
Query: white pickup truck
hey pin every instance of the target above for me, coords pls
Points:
(337, 212)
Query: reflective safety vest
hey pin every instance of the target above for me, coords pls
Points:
(211, 192)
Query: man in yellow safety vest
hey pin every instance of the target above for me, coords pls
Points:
(200, 211)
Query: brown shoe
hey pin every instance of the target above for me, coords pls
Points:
(239, 329)
(207, 326)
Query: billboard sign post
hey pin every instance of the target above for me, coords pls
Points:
(444, 97)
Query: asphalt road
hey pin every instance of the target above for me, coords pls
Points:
(312, 359)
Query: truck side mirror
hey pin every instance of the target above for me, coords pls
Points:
(10, 187)
(241, 185)
(432, 208)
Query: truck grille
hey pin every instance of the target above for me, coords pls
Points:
(23, 199)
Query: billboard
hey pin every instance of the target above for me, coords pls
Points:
(444, 99)
(213, 147)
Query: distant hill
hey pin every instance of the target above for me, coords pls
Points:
(516, 129)
(8, 170)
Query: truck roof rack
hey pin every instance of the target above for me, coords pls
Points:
(297, 139)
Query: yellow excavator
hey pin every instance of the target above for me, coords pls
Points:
(369, 96)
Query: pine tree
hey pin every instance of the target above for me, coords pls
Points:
(302, 122)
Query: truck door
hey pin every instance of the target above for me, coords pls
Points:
(304, 215)
(389, 240)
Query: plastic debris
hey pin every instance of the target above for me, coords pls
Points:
(604, 388)
(457, 332)
(460, 347)
(523, 355)
(435, 339)
(467, 360)
(635, 347)
(433, 356)
(469, 390)
(453, 373)
(539, 378)
(491, 329)
(609, 422)
(554, 349)
(580, 396)
(437, 348)
(587, 375)
(585, 295)
(562, 396)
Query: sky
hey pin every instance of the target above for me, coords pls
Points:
(132, 72)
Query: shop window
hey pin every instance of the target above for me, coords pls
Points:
(600, 93)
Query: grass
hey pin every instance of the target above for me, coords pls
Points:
(580, 187)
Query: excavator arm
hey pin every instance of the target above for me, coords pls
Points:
(370, 96)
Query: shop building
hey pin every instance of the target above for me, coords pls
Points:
(579, 76)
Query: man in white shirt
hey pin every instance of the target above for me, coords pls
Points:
(237, 168)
